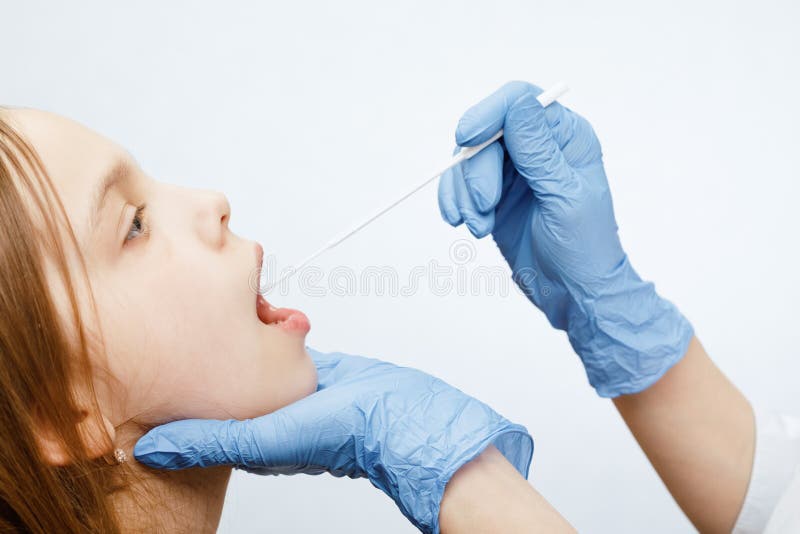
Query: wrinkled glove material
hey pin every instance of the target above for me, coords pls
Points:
(404, 430)
(542, 193)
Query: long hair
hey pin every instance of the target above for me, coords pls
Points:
(42, 358)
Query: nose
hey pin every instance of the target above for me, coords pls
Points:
(212, 217)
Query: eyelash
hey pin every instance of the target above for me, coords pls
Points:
(140, 226)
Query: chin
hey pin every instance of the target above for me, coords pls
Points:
(309, 382)
(297, 384)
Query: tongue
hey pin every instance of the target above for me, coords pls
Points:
(265, 311)
(270, 315)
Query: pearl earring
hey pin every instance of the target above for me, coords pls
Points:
(120, 456)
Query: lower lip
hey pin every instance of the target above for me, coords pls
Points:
(286, 319)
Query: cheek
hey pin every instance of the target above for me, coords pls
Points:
(202, 359)
(185, 341)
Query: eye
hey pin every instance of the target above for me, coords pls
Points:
(138, 226)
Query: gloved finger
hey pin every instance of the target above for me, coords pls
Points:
(487, 117)
(447, 199)
(479, 224)
(270, 443)
(527, 136)
(192, 443)
(573, 134)
(336, 367)
(483, 174)
(484, 119)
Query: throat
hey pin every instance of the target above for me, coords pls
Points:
(152, 500)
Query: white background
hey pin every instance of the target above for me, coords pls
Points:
(310, 115)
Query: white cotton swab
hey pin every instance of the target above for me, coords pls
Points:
(545, 99)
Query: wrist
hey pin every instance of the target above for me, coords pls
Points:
(420, 501)
(477, 491)
(626, 334)
(489, 495)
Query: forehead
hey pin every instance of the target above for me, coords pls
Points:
(70, 151)
(75, 157)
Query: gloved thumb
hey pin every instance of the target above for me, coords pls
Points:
(198, 443)
(527, 136)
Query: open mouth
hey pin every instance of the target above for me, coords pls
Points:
(287, 319)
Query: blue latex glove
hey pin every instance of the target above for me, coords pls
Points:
(541, 191)
(406, 431)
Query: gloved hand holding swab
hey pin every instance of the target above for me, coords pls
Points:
(546, 98)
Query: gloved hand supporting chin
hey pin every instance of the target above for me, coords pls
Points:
(408, 432)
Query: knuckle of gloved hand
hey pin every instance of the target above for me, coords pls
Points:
(477, 227)
(406, 378)
(521, 87)
(580, 126)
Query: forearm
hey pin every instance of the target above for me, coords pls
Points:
(698, 431)
(489, 495)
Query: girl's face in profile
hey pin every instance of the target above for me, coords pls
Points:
(172, 289)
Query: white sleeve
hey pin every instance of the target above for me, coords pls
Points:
(775, 469)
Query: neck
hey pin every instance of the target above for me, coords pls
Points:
(167, 501)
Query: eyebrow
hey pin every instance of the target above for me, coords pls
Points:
(119, 172)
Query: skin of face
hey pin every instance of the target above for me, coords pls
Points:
(172, 289)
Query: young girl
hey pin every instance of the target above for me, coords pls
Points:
(126, 304)
(129, 303)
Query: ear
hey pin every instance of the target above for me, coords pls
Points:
(95, 430)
